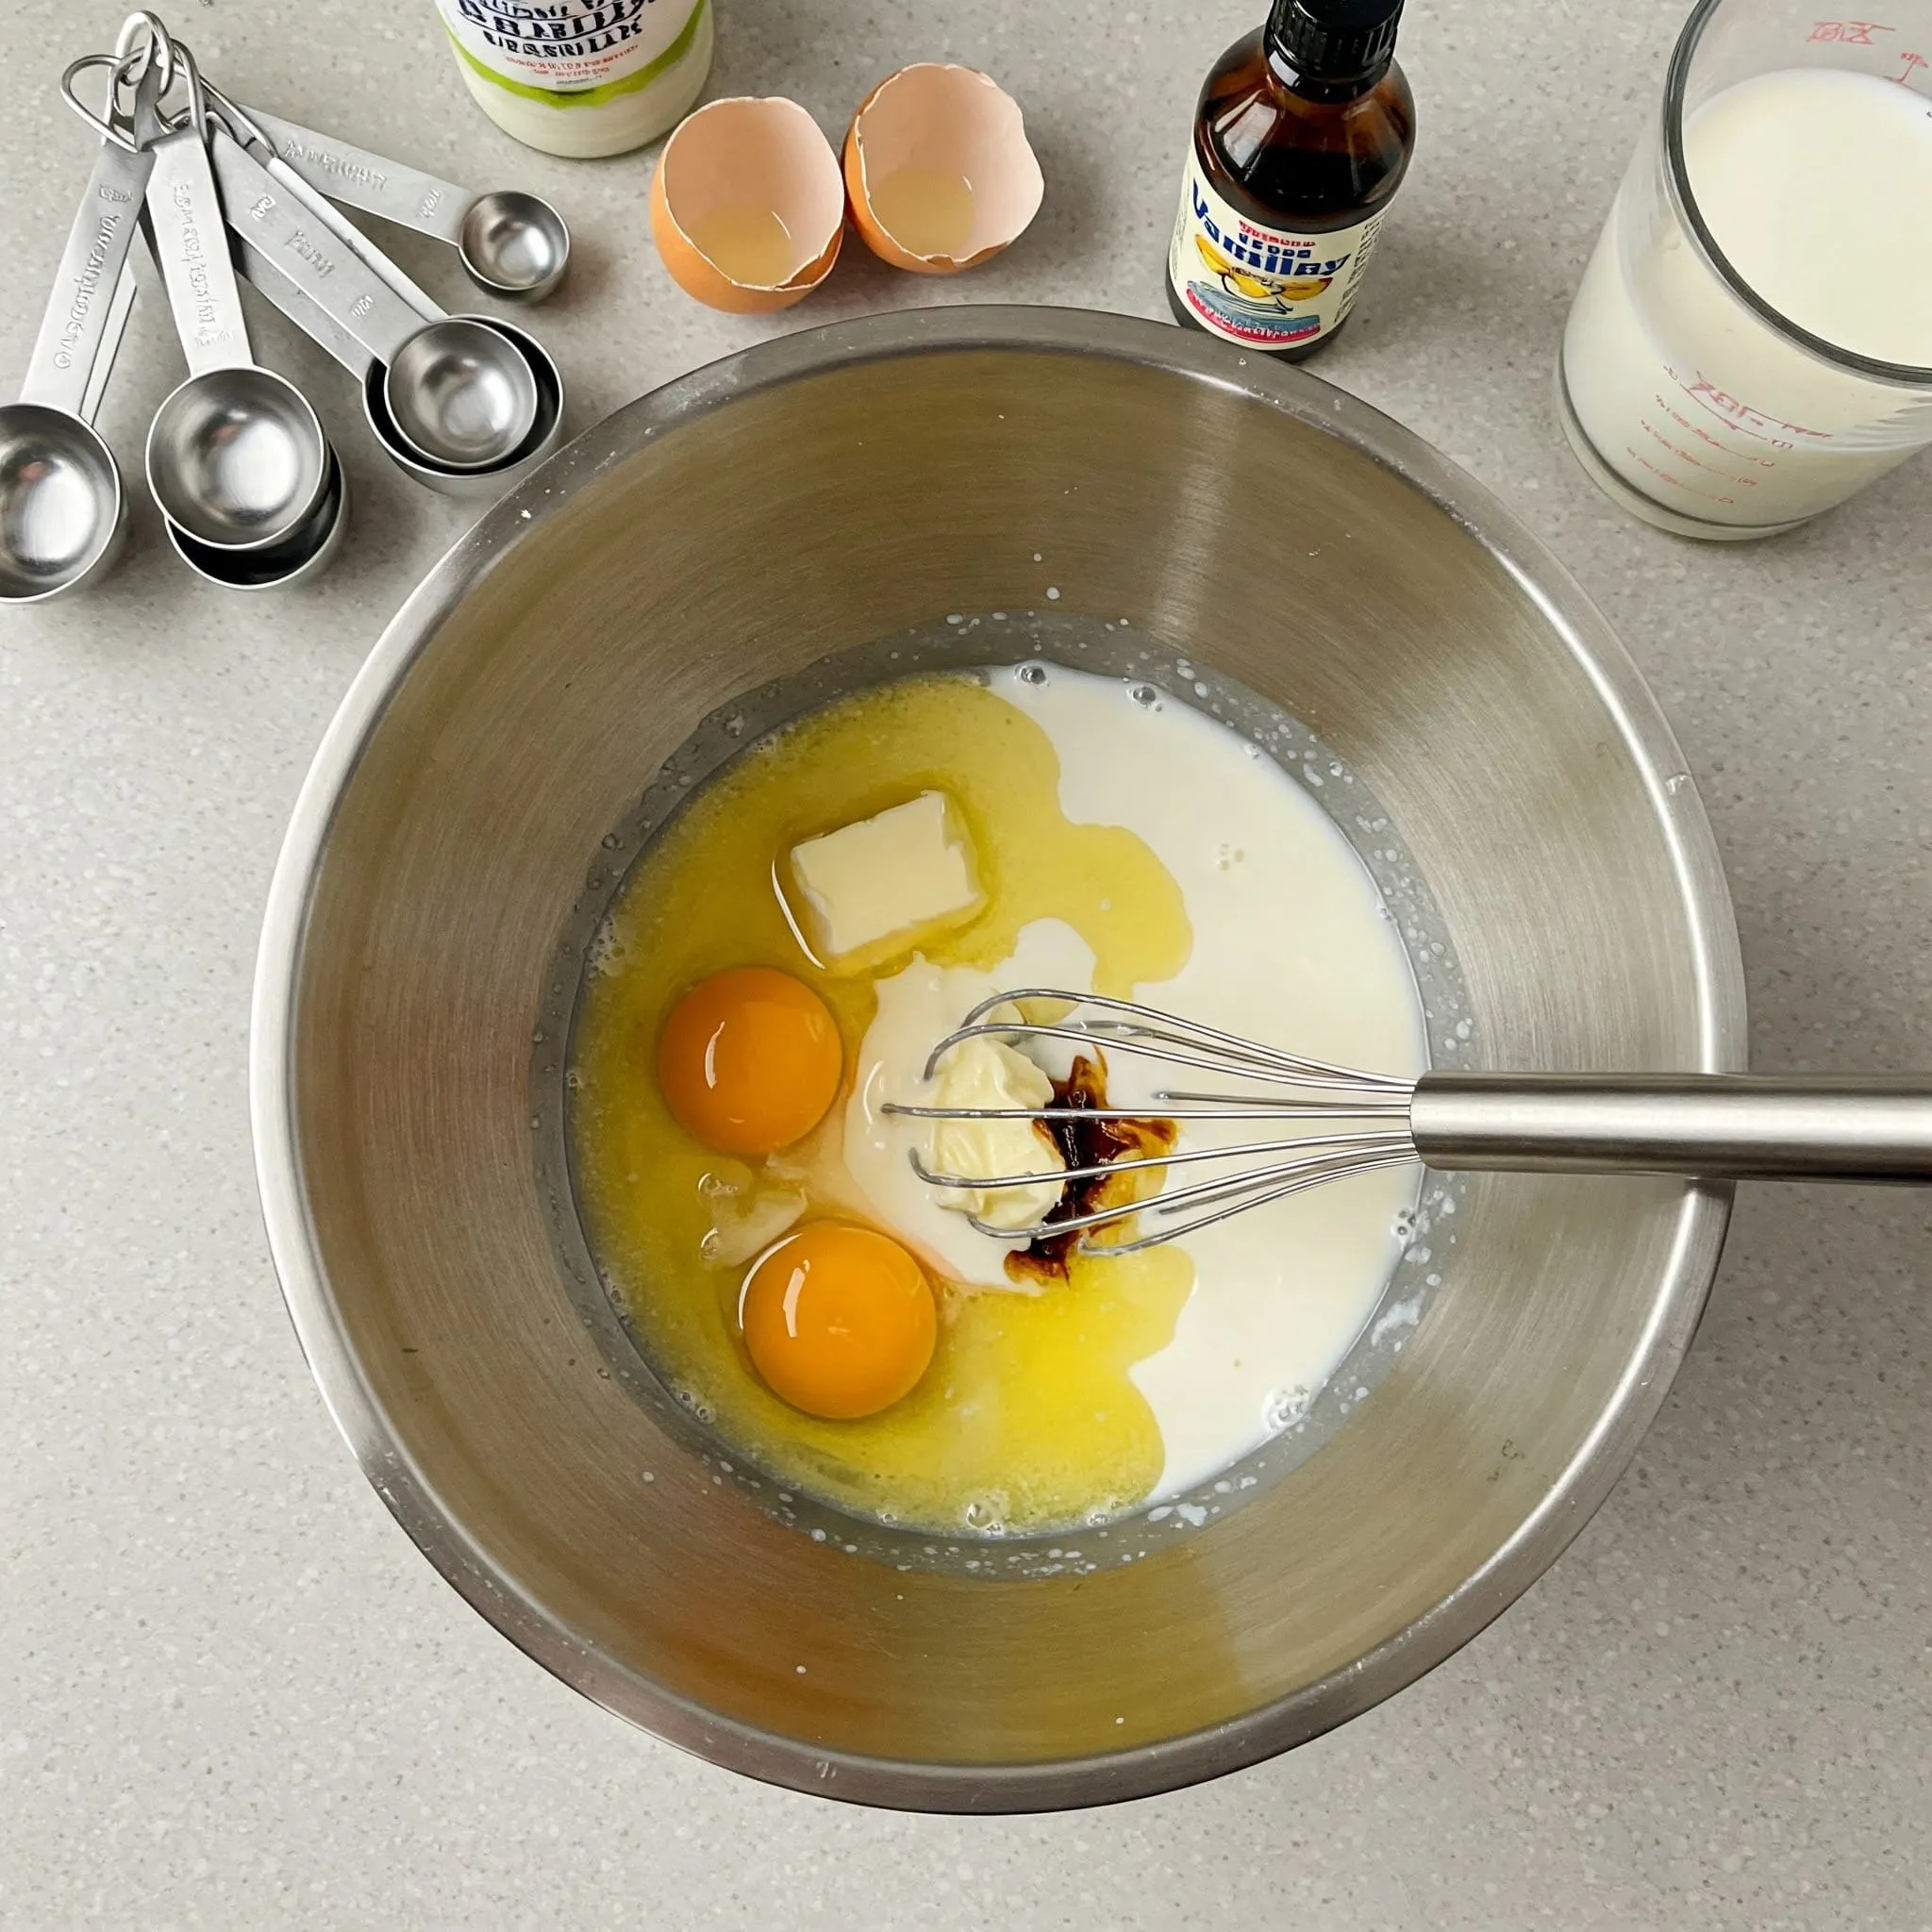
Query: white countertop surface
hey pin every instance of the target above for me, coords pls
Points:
(232, 1694)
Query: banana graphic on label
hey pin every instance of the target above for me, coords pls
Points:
(1254, 288)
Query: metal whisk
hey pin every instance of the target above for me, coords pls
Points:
(1733, 1126)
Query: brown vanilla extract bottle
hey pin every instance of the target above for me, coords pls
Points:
(1301, 138)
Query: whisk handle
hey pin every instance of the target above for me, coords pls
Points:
(1738, 1126)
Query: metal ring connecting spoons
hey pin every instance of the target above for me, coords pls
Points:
(236, 455)
(512, 245)
(142, 41)
(62, 505)
(462, 394)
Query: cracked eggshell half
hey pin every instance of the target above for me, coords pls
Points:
(939, 124)
(748, 160)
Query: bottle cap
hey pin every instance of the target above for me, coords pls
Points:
(1335, 39)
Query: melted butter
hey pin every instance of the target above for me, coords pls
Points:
(1028, 1417)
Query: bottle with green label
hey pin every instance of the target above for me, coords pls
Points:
(1302, 136)
(578, 78)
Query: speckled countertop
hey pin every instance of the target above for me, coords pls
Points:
(230, 1693)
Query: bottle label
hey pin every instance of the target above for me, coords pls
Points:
(1267, 288)
(570, 53)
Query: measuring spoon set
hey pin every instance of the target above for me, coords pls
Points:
(251, 495)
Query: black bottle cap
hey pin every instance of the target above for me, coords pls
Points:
(1335, 39)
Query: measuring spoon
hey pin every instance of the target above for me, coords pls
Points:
(305, 553)
(236, 456)
(62, 506)
(237, 120)
(461, 395)
(545, 434)
(511, 244)
(298, 557)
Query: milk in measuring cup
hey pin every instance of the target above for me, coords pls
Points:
(1817, 183)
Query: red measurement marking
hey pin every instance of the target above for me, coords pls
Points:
(1912, 61)
(1853, 33)
(1676, 482)
(1684, 456)
(1740, 415)
(1698, 433)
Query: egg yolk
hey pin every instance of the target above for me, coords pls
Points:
(749, 1061)
(839, 1321)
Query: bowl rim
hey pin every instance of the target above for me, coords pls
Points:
(1150, 1769)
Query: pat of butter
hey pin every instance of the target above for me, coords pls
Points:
(983, 1071)
(871, 889)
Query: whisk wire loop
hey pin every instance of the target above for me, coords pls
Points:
(1283, 1086)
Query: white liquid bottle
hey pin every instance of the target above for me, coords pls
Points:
(1752, 341)
(580, 79)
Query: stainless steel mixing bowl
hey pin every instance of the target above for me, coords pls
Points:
(811, 495)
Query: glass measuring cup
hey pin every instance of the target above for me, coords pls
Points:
(1722, 387)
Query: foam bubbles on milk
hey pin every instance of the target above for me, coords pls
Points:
(1284, 1408)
